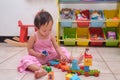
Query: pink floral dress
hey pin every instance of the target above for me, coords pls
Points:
(39, 46)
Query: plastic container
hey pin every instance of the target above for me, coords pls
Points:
(97, 18)
(89, 0)
(69, 36)
(111, 18)
(69, 0)
(111, 42)
(66, 19)
(82, 36)
(81, 21)
(96, 36)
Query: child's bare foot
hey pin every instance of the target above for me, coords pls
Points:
(40, 73)
(80, 58)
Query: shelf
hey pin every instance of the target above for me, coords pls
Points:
(87, 40)
(64, 20)
(87, 1)
(108, 22)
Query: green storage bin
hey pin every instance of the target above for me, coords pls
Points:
(111, 42)
(69, 36)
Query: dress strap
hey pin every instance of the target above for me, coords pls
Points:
(36, 35)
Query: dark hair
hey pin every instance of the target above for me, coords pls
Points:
(42, 18)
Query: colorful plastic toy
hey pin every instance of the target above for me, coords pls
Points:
(72, 77)
(47, 68)
(51, 76)
(75, 65)
(53, 62)
(80, 70)
(45, 52)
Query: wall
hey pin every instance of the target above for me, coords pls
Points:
(25, 10)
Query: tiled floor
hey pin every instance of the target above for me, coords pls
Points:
(105, 59)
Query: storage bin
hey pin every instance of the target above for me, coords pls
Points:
(97, 18)
(111, 42)
(100, 0)
(83, 21)
(82, 36)
(96, 36)
(69, 36)
(88, 0)
(111, 18)
(69, 0)
(66, 19)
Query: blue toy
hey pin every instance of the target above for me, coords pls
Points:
(53, 62)
(75, 77)
(45, 52)
(75, 65)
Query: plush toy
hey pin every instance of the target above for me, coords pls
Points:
(95, 15)
(66, 13)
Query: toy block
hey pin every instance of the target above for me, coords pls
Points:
(47, 68)
(81, 67)
(68, 76)
(53, 62)
(87, 60)
(45, 52)
(86, 68)
(75, 65)
(51, 76)
(75, 77)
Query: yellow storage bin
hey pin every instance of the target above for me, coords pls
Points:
(111, 18)
(82, 36)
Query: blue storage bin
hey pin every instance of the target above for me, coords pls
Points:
(100, 0)
(66, 19)
(66, 24)
(88, 0)
(95, 22)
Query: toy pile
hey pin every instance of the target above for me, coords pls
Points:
(74, 70)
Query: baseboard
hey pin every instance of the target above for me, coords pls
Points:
(2, 38)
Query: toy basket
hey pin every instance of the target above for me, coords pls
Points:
(69, 36)
(100, 0)
(83, 21)
(89, 0)
(111, 18)
(82, 36)
(68, 0)
(97, 18)
(96, 36)
(66, 19)
(111, 42)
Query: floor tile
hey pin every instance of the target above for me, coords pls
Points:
(7, 52)
(114, 66)
(80, 50)
(109, 54)
(117, 76)
(13, 62)
(10, 75)
(101, 77)
(105, 59)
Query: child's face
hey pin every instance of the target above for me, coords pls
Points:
(45, 30)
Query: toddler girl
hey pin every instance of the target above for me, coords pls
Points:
(42, 40)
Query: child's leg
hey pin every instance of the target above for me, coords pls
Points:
(38, 71)
(79, 58)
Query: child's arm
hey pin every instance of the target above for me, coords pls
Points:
(30, 45)
(58, 49)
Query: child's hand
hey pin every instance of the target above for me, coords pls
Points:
(40, 55)
(64, 58)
